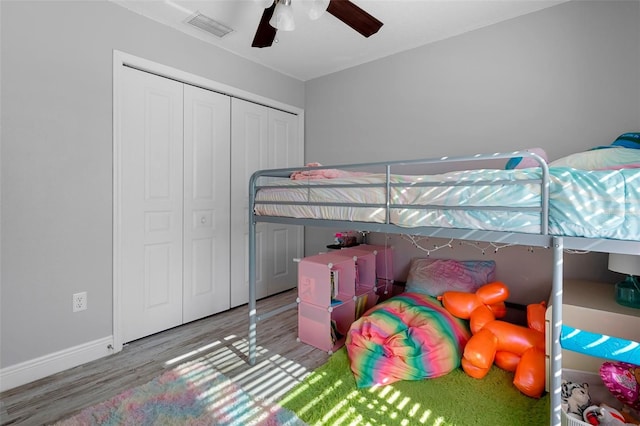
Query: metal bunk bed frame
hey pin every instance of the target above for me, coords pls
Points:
(543, 239)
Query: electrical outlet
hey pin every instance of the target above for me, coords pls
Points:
(80, 301)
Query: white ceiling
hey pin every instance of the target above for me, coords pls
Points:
(317, 48)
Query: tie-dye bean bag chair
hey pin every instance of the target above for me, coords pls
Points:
(408, 337)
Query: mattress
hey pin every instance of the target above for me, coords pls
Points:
(582, 203)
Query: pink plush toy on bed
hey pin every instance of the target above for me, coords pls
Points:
(323, 173)
(526, 162)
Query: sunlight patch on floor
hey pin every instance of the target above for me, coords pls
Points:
(273, 376)
(268, 380)
(191, 354)
(245, 399)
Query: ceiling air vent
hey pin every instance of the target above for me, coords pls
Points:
(209, 25)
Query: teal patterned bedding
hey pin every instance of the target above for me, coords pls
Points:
(583, 203)
(597, 204)
(594, 204)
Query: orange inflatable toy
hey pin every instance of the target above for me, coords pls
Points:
(511, 347)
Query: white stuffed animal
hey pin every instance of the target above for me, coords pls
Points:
(575, 398)
(604, 415)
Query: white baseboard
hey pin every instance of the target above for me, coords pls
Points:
(38, 368)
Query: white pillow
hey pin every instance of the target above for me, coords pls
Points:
(601, 159)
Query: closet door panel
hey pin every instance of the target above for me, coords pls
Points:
(151, 212)
(283, 136)
(249, 152)
(206, 203)
(284, 241)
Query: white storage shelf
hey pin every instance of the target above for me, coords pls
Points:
(591, 306)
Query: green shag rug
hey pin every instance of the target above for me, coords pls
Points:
(329, 396)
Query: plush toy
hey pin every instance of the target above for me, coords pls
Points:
(526, 162)
(512, 347)
(575, 398)
(623, 381)
(604, 415)
(630, 415)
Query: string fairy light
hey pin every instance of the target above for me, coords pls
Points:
(417, 242)
(491, 246)
(573, 251)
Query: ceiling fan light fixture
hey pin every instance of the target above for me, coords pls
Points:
(282, 18)
(318, 8)
(264, 3)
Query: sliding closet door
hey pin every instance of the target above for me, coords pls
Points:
(207, 135)
(249, 146)
(183, 156)
(175, 203)
(284, 242)
(262, 138)
(152, 203)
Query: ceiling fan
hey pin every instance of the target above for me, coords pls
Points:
(344, 10)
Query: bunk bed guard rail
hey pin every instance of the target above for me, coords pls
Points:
(386, 185)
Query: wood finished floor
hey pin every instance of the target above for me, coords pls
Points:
(283, 358)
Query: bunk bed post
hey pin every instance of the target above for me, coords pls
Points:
(544, 220)
(252, 273)
(555, 363)
(387, 216)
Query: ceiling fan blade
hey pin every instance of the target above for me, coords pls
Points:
(354, 17)
(265, 34)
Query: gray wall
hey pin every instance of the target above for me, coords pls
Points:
(566, 78)
(56, 80)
